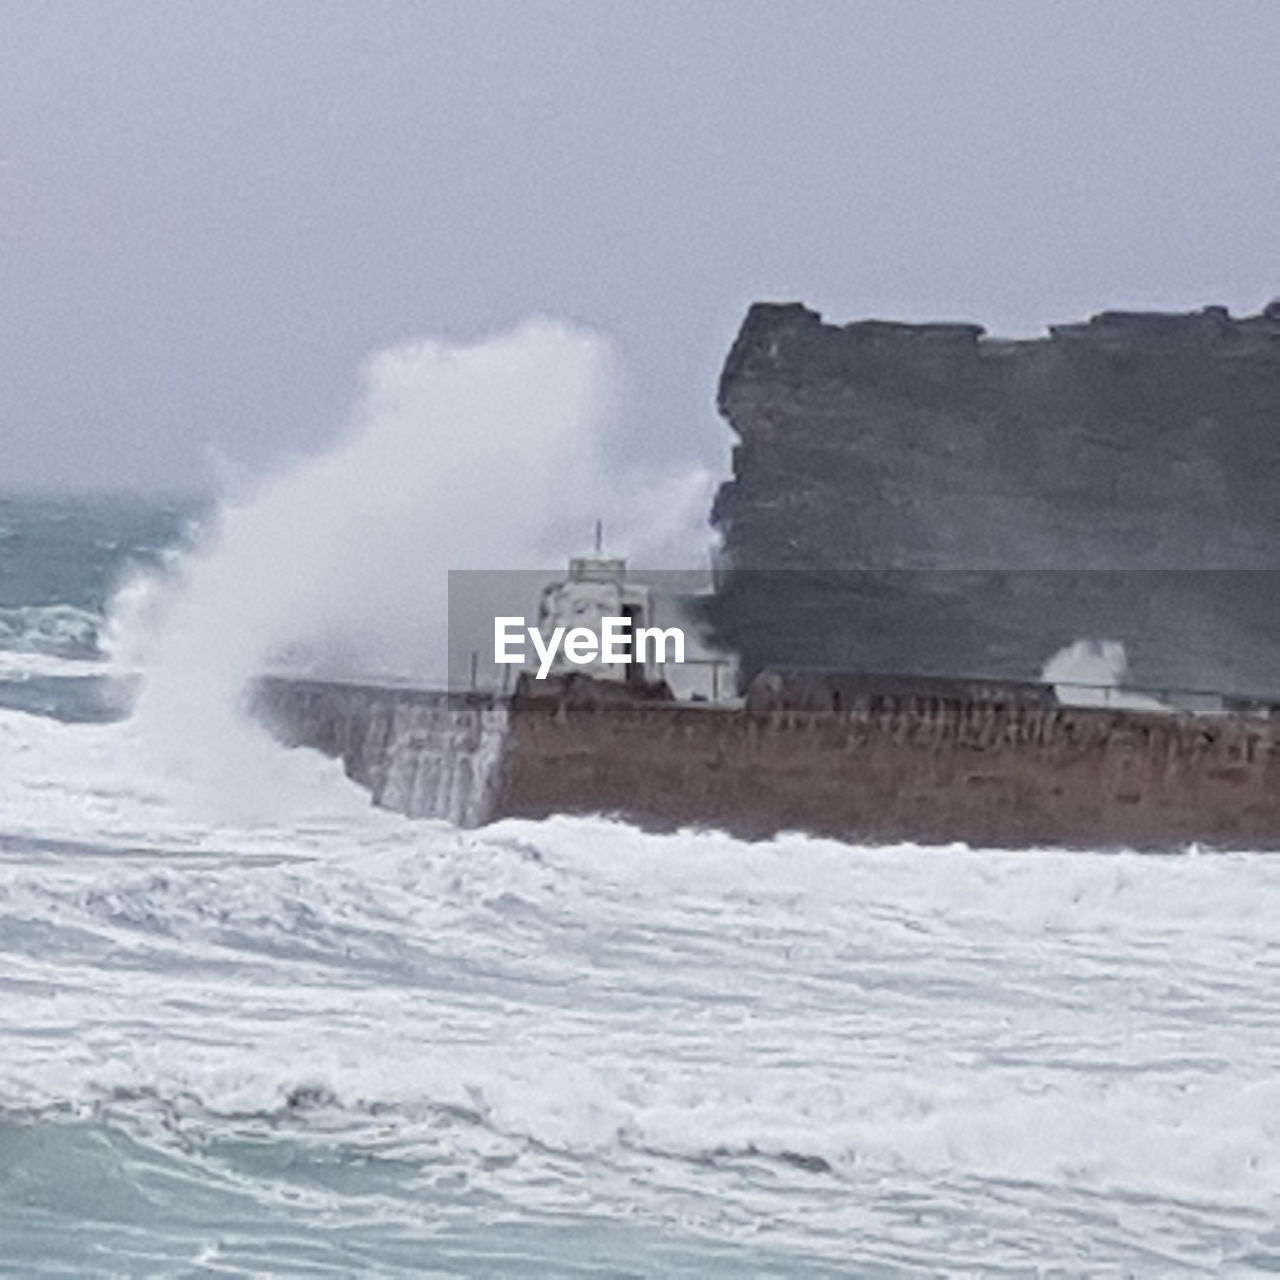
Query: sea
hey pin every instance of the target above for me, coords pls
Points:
(309, 1038)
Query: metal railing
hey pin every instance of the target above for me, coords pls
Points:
(1170, 698)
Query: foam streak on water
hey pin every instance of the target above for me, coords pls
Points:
(351, 1043)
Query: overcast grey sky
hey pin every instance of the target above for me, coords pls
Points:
(211, 212)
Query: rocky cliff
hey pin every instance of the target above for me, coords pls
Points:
(925, 497)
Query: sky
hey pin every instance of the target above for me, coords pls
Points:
(212, 213)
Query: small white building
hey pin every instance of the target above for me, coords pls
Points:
(597, 588)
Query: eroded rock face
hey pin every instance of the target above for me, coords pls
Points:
(1133, 442)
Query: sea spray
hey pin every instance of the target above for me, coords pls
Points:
(484, 456)
(1089, 673)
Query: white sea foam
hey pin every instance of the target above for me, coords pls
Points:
(27, 666)
(103, 782)
(54, 630)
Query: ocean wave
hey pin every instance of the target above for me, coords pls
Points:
(51, 630)
(863, 1059)
(18, 665)
(821, 1010)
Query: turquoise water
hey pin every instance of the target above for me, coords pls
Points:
(300, 1037)
(61, 560)
(73, 552)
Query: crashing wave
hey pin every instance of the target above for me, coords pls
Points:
(55, 630)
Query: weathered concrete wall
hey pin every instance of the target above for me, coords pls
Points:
(1002, 774)
(1134, 443)
(420, 752)
(989, 766)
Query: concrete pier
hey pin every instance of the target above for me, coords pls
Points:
(866, 760)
